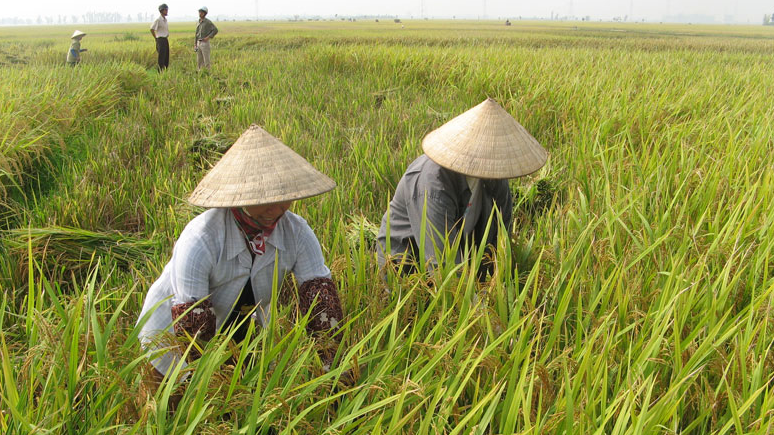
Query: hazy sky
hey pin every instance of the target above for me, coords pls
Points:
(741, 11)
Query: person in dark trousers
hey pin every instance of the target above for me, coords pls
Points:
(454, 186)
(160, 31)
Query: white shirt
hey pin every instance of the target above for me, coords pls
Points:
(211, 258)
(160, 27)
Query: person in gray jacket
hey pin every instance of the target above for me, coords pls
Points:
(455, 185)
(205, 31)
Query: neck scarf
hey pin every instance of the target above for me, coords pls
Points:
(473, 210)
(255, 233)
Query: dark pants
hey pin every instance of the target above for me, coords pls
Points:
(162, 47)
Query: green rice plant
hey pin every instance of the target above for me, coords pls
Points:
(41, 110)
(126, 37)
(72, 250)
(362, 232)
(634, 298)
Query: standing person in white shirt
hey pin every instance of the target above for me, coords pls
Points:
(160, 31)
(223, 263)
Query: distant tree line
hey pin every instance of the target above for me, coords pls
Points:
(88, 18)
(768, 20)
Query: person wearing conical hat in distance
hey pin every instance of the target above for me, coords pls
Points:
(222, 266)
(205, 31)
(74, 53)
(462, 175)
(160, 31)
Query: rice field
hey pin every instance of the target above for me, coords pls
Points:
(634, 293)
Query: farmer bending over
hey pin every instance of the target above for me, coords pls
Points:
(461, 176)
(225, 258)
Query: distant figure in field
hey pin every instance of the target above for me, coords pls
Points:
(204, 32)
(507, 22)
(456, 184)
(160, 31)
(228, 258)
(74, 53)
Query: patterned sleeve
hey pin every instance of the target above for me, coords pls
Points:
(320, 298)
(195, 318)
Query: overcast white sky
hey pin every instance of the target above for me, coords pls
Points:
(740, 11)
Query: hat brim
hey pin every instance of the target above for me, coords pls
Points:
(485, 142)
(258, 170)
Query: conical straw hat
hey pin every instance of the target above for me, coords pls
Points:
(259, 169)
(485, 142)
(77, 34)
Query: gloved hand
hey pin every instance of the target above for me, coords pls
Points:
(195, 319)
(320, 295)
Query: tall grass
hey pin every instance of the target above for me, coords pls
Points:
(636, 299)
(40, 109)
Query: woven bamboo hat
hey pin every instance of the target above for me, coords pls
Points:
(78, 34)
(257, 170)
(485, 142)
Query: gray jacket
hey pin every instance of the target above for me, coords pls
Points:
(447, 195)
